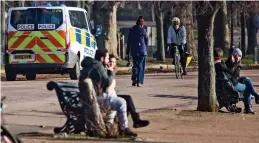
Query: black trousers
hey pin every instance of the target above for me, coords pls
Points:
(130, 105)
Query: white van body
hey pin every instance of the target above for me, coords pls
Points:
(47, 39)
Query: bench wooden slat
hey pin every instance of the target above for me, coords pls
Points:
(67, 84)
(68, 89)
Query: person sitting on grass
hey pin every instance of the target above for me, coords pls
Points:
(137, 122)
(246, 86)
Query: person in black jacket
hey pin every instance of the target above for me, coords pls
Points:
(246, 86)
(230, 63)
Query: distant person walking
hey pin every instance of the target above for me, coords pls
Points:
(137, 48)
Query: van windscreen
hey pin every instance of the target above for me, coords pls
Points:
(36, 19)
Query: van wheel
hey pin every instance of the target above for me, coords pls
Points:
(10, 74)
(30, 76)
(75, 71)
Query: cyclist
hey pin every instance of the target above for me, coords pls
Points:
(176, 36)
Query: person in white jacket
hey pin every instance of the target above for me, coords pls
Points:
(176, 36)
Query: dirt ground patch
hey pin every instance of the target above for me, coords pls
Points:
(186, 125)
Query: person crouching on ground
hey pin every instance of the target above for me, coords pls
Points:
(246, 87)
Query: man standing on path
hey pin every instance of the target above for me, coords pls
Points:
(137, 47)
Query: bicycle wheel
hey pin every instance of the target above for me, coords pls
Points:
(177, 67)
(7, 137)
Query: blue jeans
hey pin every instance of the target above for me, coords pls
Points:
(247, 88)
(138, 69)
(116, 104)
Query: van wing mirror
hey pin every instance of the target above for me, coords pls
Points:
(97, 30)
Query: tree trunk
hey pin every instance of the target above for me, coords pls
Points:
(19, 3)
(186, 17)
(106, 15)
(82, 4)
(93, 116)
(206, 74)
(218, 31)
(226, 40)
(160, 34)
(251, 32)
(3, 24)
(166, 24)
(232, 25)
(243, 34)
(88, 7)
(79, 4)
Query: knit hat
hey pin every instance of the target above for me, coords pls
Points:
(238, 51)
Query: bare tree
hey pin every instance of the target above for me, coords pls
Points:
(248, 10)
(226, 44)
(93, 115)
(251, 33)
(231, 24)
(161, 8)
(105, 13)
(221, 30)
(206, 12)
(243, 33)
(2, 26)
(185, 13)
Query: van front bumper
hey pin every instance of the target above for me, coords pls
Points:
(41, 68)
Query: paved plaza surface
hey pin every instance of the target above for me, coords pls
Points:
(31, 107)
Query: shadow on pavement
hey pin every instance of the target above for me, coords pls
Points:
(48, 112)
(78, 137)
(177, 96)
(29, 115)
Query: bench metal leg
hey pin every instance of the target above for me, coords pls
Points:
(71, 126)
(62, 129)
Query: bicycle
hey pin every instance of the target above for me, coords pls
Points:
(6, 136)
(178, 66)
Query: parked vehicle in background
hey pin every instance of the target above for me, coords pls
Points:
(48, 39)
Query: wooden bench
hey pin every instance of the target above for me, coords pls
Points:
(71, 103)
(69, 99)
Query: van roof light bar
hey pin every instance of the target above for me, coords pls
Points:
(35, 4)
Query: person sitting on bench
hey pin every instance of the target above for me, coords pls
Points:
(137, 122)
(246, 86)
(102, 78)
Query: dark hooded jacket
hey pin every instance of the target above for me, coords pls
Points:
(101, 77)
(137, 41)
(236, 66)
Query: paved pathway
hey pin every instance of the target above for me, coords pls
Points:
(31, 105)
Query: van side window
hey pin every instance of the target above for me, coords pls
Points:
(77, 19)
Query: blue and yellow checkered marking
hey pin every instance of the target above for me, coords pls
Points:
(78, 36)
(82, 37)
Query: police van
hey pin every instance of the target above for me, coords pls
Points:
(46, 39)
